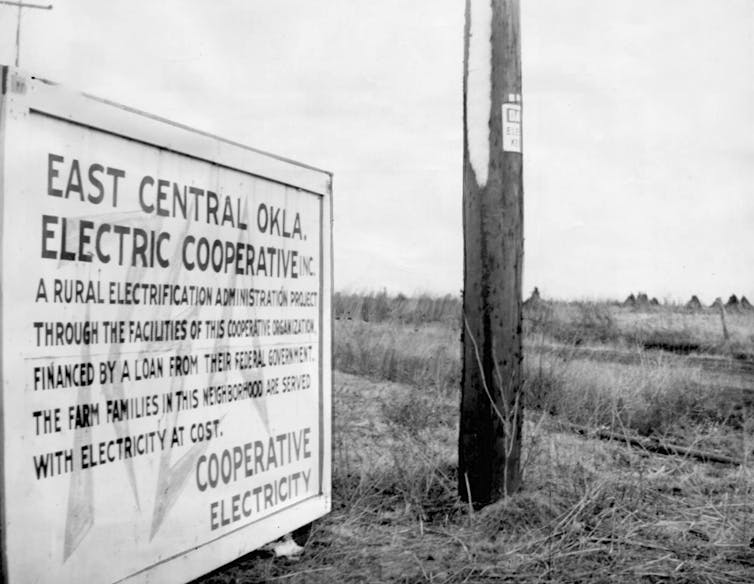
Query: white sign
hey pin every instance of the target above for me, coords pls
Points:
(512, 127)
(165, 343)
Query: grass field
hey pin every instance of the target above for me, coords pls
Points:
(591, 509)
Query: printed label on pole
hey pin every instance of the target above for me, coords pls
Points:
(511, 127)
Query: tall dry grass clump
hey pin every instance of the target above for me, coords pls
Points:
(647, 398)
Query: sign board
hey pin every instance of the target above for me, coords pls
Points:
(512, 127)
(166, 330)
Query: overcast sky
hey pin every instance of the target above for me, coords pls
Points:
(638, 124)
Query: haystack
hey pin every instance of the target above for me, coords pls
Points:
(654, 302)
(732, 303)
(630, 301)
(694, 303)
(534, 299)
(745, 304)
(642, 299)
(717, 303)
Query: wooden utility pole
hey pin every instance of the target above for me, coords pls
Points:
(492, 385)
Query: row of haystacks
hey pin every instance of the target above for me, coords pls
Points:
(734, 304)
(641, 300)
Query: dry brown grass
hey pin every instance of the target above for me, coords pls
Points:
(653, 394)
(380, 307)
(589, 512)
(671, 327)
(423, 355)
(667, 327)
